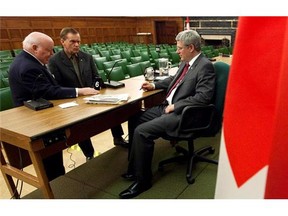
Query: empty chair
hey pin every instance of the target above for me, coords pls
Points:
(116, 51)
(6, 101)
(99, 63)
(5, 54)
(145, 56)
(127, 55)
(115, 57)
(105, 53)
(175, 59)
(144, 65)
(136, 53)
(134, 70)
(136, 59)
(116, 74)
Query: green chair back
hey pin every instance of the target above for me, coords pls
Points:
(134, 70)
(117, 74)
(222, 74)
(6, 101)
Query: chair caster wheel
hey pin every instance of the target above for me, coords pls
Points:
(212, 151)
(190, 180)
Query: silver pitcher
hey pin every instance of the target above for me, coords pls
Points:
(164, 66)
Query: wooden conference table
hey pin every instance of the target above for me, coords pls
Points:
(42, 133)
(45, 132)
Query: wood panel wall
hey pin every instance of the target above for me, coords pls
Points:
(92, 29)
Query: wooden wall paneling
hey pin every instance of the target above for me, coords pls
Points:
(92, 29)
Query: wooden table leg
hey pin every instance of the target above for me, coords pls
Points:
(41, 174)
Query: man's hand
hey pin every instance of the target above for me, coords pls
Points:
(146, 86)
(87, 91)
(169, 109)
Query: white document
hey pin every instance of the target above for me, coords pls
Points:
(107, 99)
(69, 104)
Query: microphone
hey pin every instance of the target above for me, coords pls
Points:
(111, 83)
(37, 103)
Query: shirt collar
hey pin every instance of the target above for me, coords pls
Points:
(34, 57)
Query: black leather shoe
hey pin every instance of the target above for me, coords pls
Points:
(89, 158)
(134, 190)
(129, 177)
(119, 141)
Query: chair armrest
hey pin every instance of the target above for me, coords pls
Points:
(196, 118)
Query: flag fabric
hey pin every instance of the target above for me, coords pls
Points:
(253, 161)
(187, 23)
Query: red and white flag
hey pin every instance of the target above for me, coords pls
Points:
(187, 23)
(253, 159)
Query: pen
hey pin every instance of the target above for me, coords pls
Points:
(140, 88)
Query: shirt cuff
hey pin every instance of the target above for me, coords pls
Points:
(76, 92)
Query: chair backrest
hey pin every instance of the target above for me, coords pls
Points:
(222, 74)
(99, 62)
(6, 101)
(117, 74)
(136, 59)
(207, 120)
(144, 65)
(134, 70)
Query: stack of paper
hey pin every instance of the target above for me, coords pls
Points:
(107, 99)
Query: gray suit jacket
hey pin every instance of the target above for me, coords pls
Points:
(62, 68)
(197, 88)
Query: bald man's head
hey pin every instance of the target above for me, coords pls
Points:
(40, 45)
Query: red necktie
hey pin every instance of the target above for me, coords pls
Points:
(185, 70)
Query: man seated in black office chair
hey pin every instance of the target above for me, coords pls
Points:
(74, 68)
(193, 84)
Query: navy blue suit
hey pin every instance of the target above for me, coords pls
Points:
(29, 79)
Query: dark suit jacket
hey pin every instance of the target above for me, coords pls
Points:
(197, 88)
(62, 68)
(29, 79)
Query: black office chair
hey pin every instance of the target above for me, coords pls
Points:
(207, 124)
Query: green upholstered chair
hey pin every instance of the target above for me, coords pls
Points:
(99, 63)
(134, 70)
(136, 59)
(4, 76)
(145, 56)
(207, 124)
(5, 54)
(115, 57)
(175, 59)
(144, 65)
(136, 53)
(117, 74)
(123, 63)
(127, 55)
(5, 99)
(105, 53)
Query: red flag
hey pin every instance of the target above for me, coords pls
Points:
(257, 95)
(187, 23)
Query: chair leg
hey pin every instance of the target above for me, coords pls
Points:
(191, 156)
(200, 152)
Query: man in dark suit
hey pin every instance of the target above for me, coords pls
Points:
(29, 79)
(193, 84)
(74, 68)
